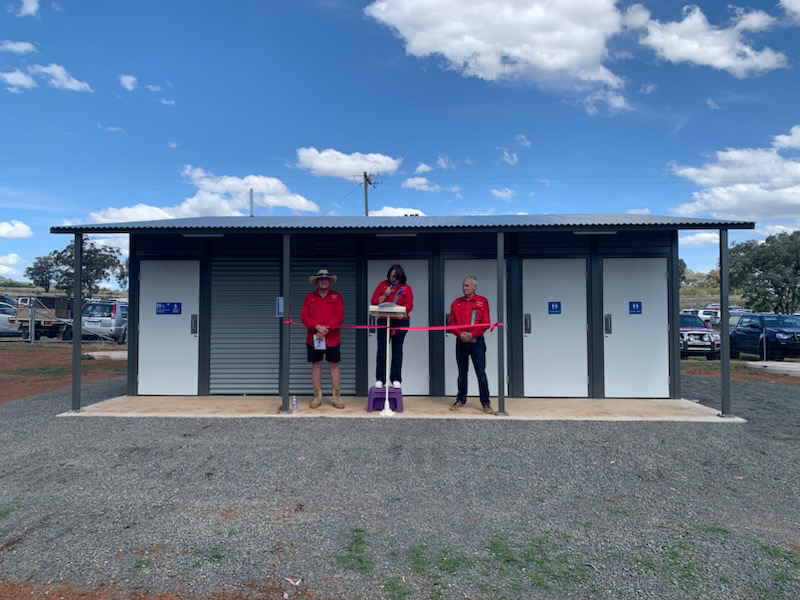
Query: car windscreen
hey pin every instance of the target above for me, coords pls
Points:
(97, 310)
(691, 321)
(782, 321)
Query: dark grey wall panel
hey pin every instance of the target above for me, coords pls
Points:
(469, 244)
(398, 246)
(552, 244)
(169, 246)
(300, 368)
(635, 243)
(244, 356)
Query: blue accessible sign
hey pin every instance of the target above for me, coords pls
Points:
(554, 308)
(168, 308)
(635, 308)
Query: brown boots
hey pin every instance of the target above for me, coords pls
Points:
(317, 401)
(337, 399)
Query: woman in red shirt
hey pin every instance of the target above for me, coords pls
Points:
(395, 289)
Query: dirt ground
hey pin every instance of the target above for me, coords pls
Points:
(31, 369)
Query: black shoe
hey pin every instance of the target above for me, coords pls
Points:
(487, 408)
(457, 405)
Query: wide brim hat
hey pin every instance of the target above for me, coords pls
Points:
(322, 273)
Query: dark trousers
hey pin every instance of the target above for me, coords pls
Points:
(476, 350)
(396, 366)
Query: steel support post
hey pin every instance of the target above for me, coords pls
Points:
(501, 331)
(284, 327)
(77, 325)
(724, 326)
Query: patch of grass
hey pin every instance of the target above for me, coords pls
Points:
(449, 561)
(500, 548)
(7, 510)
(778, 553)
(725, 579)
(781, 577)
(712, 528)
(213, 555)
(140, 563)
(396, 589)
(355, 559)
(54, 371)
(418, 557)
(622, 511)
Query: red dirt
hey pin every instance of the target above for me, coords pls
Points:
(20, 361)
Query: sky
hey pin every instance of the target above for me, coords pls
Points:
(126, 111)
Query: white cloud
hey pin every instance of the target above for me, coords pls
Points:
(59, 78)
(699, 239)
(16, 81)
(768, 230)
(56, 7)
(129, 82)
(792, 8)
(172, 144)
(15, 229)
(394, 211)
(647, 88)
(695, 41)
(503, 194)
(110, 128)
(29, 8)
(17, 47)
(120, 241)
(747, 182)
(443, 162)
(522, 141)
(711, 104)
(166, 102)
(422, 168)
(223, 195)
(456, 189)
(332, 163)
(638, 211)
(8, 260)
(153, 87)
(468, 160)
(554, 44)
(421, 184)
(509, 157)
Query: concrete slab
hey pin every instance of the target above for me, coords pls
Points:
(109, 355)
(416, 407)
(778, 367)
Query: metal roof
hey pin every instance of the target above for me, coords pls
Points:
(414, 223)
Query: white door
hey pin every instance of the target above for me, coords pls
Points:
(416, 369)
(555, 338)
(168, 320)
(486, 272)
(636, 322)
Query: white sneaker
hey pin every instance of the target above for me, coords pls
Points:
(378, 384)
(396, 384)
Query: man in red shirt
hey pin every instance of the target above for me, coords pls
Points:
(465, 312)
(323, 312)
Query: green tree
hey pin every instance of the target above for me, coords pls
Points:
(768, 273)
(681, 271)
(42, 272)
(99, 263)
(122, 273)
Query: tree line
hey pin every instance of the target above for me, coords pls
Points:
(57, 269)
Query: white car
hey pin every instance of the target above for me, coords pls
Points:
(710, 315)
(8, 312)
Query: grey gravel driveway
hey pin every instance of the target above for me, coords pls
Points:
(405, 508)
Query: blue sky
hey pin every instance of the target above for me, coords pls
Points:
(114, 111)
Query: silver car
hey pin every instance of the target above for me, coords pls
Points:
(106, 319)
(8, 312)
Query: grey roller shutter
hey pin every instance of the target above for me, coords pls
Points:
(299, 367)
(245, 341)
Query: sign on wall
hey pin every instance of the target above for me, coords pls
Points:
(635, 308)
(168, 308)
(554, 308)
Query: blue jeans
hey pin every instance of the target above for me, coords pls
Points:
(396, 366)
(476, 350)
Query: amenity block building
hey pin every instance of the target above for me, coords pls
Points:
(589, 303)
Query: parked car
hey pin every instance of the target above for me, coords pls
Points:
(107, 319)
(769, 336)
(697, 339)
(6, 299)
(709, 315)
(7, 312)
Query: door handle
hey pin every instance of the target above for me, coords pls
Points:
(372, 322)
(194, 325)
(607, 324)
(527, 323)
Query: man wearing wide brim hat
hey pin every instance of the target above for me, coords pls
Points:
(323, 312)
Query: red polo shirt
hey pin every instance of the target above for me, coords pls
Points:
(327, 311)
(402, 295)
(465, 311)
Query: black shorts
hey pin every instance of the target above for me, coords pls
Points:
(332, 354)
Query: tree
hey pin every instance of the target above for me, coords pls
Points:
(681, 271)
(99, 263)
(122, 273)
(768, 273)
(42, 272)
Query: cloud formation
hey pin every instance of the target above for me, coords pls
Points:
(59, 78)
(638, 211)
(421, 184)
(748, 182)
(522, 141)
(695, 41)
(422, 168)
(28, 8)
(332, 163)
(509, 157)
(699, 239)
(222, 195)
(15, 229)
(505, 194)
(129, 82)
(16, 81)
(396, 211)
(17, 47)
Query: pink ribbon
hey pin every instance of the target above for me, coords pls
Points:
(491, 326)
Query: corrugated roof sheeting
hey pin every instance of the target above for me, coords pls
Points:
(576, 221)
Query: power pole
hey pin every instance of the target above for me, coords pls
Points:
(367, 183)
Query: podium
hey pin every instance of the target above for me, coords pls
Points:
(387, 310)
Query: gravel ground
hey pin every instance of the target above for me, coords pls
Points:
(405, 508)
